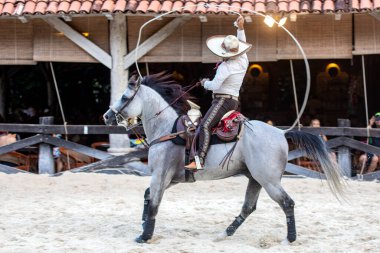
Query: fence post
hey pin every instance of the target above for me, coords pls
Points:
(45, 157)
(344, 154)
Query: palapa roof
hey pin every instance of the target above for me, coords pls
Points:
(198, 7)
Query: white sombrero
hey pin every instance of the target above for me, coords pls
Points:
(227, 46)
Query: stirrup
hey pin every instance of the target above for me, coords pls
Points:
(196, 165)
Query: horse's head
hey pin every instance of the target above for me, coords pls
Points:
(129, 105)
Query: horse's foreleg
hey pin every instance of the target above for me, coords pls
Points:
(251, 196)
(147, 201)
(152, 199)
(146, 205)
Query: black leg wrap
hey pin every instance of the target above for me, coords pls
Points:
(235, 225)
(146, 204)
(292, 234)
(148, 231)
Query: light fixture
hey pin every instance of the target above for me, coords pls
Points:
(248, 19)
(255, 70)
(332, 69)
(269, 21)
(203, 18)
(282, 21)
(293, 17)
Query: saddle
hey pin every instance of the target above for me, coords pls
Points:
(226, 131)
(186, 127)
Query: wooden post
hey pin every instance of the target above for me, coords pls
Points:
(45, 157)
(119, 75)
(344, 154)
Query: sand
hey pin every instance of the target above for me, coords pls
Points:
(102, 213)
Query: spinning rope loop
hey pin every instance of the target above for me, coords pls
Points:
(307, 91)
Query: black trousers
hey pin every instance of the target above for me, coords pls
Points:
(219, 107)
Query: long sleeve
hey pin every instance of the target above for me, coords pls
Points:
(241, 35)
(221, 74)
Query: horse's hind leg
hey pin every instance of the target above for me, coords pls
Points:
(251, 196)
(278, 194)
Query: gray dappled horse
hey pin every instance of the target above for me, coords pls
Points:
(261, 153)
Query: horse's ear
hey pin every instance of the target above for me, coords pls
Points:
(132, 80)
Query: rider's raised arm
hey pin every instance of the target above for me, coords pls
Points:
(241, 35)
(221, 74)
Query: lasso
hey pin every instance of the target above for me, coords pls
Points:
(307, 91)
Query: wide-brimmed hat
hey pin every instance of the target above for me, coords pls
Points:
(227, 46)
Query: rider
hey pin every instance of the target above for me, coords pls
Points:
(225, 85)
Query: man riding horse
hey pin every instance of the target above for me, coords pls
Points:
(225, 85)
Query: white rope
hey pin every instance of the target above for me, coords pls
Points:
(365, 94)
(307, 91)
(360, 176)
(61, 109)
(147, 68)
(295, 93)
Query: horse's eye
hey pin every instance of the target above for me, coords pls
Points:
(124, 97)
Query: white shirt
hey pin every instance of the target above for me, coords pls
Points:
(230, 74)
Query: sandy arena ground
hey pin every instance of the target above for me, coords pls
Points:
(102, 213)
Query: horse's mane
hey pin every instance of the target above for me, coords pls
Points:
(169, 90)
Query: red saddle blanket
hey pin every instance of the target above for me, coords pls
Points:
(228, 127)
(229, 123)
(226, 130)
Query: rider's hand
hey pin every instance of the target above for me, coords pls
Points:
(240, 22)
(204, 80)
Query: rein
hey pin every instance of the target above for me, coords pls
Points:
(172, 103)
(161, 139)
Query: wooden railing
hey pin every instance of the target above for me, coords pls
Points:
(342, 141)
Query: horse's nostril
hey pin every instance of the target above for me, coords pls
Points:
(105, 116)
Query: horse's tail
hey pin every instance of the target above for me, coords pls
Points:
(317, 150)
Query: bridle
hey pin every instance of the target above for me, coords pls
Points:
(120, 118)
(123, 121)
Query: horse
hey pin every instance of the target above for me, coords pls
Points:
(260, 154)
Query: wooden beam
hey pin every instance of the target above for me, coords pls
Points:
(72, 129)
(10, 170)
(77, 147)
(46, 163)
(295, 169)
(336, 142)
(119, 75)
(360, 146)
(154, 40)
(339, 131)
(87, 45)
(113, 161)
(372, 176)
(156, 58)
(21, 144)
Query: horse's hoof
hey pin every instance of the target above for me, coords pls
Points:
(140, 240)
(292, 237)
(221, 237)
